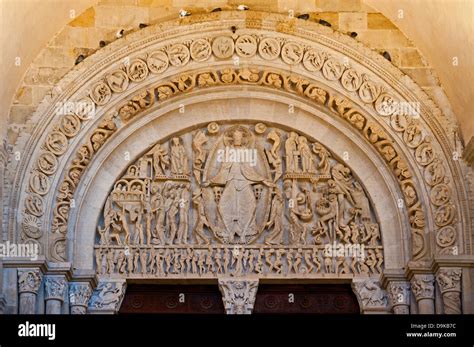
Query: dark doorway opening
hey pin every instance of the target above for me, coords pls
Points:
(271, 299)
(306, 298)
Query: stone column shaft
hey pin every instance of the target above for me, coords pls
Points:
(422, 286)
(55, 287)
(29, 281)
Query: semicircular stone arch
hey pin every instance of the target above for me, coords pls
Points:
(165, 65)
(162, 125)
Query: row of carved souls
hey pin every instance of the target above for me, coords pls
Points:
(264, 261)
(238, 185)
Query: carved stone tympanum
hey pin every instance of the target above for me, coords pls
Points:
(236, 200)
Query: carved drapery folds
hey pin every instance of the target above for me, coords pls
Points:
(238, 295)
(449, 282)
(29, 282)
(262, 47)
(261, 201)
(371, 297)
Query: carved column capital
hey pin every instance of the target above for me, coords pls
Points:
(79, 296)
(371, 297)
(422, 286)
(54, 287)
(449, 279)
(449, 282)
(399, 296)
(29, 280)
(238, 295)
(107, 297)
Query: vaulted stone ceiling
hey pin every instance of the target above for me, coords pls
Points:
(442, 30)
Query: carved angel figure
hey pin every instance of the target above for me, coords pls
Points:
(276, 216)
(199, 154)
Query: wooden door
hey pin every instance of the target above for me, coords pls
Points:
(271, 299)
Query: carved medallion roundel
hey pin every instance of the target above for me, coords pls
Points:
(70, 125)
(101, 93)
(369, 91)
(246, 46)
(138, 70)
(223, 47)
(39, 183)
(313, 60)
(118, 81)
(56, 142)
(269, 48)
(34, 204)
(332, 69)
(47, 163)
(292, 53)
(157, 62)
(200, 50)
(178, 54)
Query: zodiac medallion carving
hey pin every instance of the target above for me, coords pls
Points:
(246, 46)
(200, 50)
(118, 81)
(47, 163)
(223, 47)
(157, 62)
(269, 48)
(178, 54)
(138, 70)
(291, 53)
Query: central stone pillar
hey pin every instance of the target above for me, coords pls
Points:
(238, 295)
(422, 286)
(29, 281)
